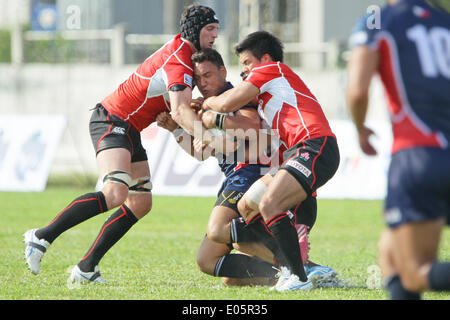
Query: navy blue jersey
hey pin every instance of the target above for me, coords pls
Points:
(229, 168)
(413, 42)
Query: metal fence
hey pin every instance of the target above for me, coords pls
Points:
(117, 47)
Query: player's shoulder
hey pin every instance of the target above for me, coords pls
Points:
(179, 47)
(266, 67)
(264, 72)
(176, 45)
(370, 25)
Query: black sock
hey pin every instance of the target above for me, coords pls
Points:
(257, 229)
(79, 210)
(439, 276)
(398, 292)
(241, 232)
(242, 266)
(112, 230)
(286, 236)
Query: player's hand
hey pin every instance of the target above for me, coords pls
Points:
(364, 142)
(164, 120)
(198, 145)
(205, 104)
(209, 119)
(196, 104)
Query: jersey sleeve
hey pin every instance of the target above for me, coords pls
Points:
(257, 77)
(179, 70)
(368, 30)
(364, 35)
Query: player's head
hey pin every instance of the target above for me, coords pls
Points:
(209, 72)
(199, 25)
(259, 47)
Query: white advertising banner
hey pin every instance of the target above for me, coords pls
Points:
(174, 172)
(27, 147)
(359, 176)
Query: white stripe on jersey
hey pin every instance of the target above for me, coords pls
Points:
(281, 92)
(142, 77)
(267, 65)
(183, 63)
(158, 83)
(306, 96)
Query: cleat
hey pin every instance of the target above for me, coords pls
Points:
(283, 275)
(34, 250)
(294, 283)
(322, 276)
(78, 276)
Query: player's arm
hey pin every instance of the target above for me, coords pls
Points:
(184, 139)
(245, 119)
(233, 99)
(192, 146)
(182, 114)
(362, 66)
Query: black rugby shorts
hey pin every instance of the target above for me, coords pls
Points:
(108, 131)
(312, 162)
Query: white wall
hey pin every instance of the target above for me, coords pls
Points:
(71, 90)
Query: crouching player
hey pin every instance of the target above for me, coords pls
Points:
(254, 262)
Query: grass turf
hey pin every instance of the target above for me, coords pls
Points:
(156, 259)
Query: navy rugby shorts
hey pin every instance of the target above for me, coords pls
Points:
(108, 131)
(418, 186)
(236, 184)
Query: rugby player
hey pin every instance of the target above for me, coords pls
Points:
(309, 147)
(163, 82)
(225, 227)
(411, 53)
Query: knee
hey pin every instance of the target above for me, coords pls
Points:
(268, 207)
(214, 233)
(140, 204)
(244, 208)
(204, 264)
(411, 280)
(115, 194)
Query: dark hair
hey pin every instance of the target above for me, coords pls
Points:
(208, 54)
(193, 19)
(260, 43)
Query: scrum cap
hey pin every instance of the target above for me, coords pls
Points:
(193, 20)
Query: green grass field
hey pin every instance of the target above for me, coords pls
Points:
(156, 259)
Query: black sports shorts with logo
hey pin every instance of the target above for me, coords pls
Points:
(312, 162)
(108, 131)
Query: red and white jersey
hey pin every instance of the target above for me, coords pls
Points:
(145, 93)
(287, 106)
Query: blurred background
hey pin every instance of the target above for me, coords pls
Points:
(58, 58)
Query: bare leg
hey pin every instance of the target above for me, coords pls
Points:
(415, 247)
